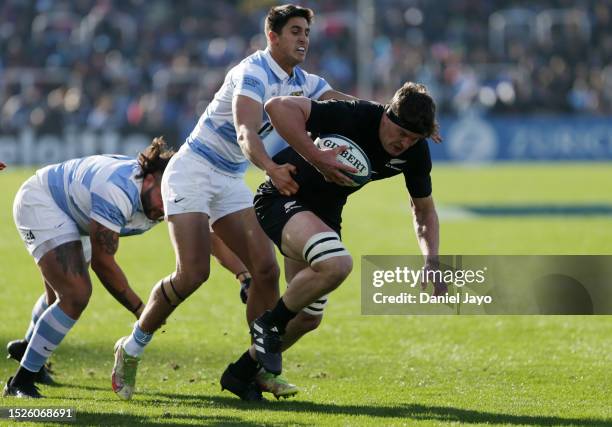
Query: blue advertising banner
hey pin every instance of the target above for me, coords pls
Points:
(470, 138)
(474, 138)
(480, 139)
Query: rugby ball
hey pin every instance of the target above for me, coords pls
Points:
(354, 156)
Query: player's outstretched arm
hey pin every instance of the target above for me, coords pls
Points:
(426, 225)
(289, 115)
(247, 120)
(104, 245)
(427, 230)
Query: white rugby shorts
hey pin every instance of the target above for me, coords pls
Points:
(191, 184)
(43, 226)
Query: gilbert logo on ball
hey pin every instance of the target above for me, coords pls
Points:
(354, 156)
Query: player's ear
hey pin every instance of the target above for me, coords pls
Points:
(272, 37)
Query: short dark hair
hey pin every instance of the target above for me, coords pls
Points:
(413, 109)
(279, 15)
(154, 158)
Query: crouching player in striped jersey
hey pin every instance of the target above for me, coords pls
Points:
(69, 214)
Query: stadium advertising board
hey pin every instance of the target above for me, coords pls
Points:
(471, 139)
(524, 138)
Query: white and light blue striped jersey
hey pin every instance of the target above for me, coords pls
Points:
(103, 188)
(260, 78)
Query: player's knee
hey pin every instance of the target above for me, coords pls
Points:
(191, 278)
(326, 254)
(334, 271)
(343, 267)
(266, 273)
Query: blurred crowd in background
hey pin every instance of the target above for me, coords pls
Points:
(154, 65)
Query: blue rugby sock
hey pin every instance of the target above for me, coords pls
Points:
(50, 330)
(137, 341)
(37, 311)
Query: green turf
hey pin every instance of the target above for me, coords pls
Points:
(355, 370)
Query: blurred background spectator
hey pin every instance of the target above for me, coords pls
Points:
(154, 65)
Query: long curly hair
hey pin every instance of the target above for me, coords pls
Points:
(155, 157)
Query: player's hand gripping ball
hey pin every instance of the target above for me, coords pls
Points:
(354, 156)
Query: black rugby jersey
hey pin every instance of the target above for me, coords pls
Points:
(360, 122)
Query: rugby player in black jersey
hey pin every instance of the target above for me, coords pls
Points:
(305, 225)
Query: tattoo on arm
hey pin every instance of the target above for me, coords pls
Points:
(106, 242)
(107, 239)
(70, 257)
(119, 295)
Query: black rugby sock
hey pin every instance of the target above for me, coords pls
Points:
(279, 316)
(23, 377)
(244, 368)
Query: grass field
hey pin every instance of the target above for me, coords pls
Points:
(355, 370)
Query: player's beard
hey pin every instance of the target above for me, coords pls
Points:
(147, 206)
